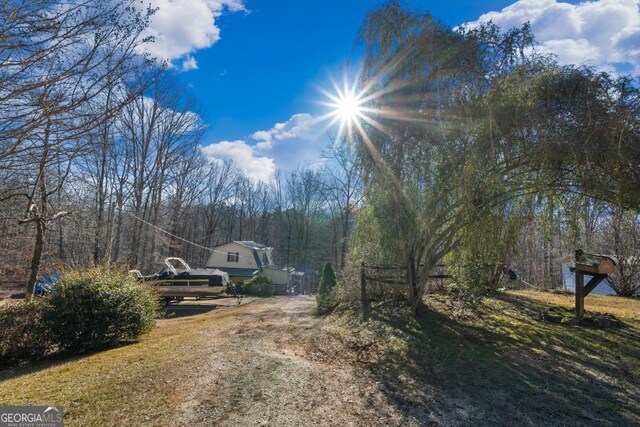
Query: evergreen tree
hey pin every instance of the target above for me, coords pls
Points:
(326, 297)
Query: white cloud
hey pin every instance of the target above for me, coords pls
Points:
(603, 33)
(244, 157)
(189, 63)
(298, 126)
(181, 27)
(296, 142)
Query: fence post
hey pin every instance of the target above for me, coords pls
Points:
(363, 290)
(579, 275)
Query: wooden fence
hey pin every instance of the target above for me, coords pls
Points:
(392, 281)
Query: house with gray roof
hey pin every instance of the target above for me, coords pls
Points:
(243, 259)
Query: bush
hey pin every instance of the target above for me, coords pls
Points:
(23, 336)
(89, 310)
(327, 298)
(98, 308)
(259, 286)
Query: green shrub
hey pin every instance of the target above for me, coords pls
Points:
(327, 298)
(259, 286)
(23, 336)
(98, 308)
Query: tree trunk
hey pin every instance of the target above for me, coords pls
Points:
(41, 214)
(100, 204)
(414, 297)
(35, 260)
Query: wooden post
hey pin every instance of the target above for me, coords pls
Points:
(597, 266)
(363, 290)
(579, 294)
(591, 284)
(413, 290)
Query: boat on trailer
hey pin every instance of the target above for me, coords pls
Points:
(178, 280)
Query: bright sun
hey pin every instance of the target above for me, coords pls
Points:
(348, 108)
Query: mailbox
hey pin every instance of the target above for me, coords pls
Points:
(595, 263)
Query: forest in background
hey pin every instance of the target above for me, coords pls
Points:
(478, 151)
(100, 149)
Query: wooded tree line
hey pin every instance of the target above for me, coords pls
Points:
(100, 158)
(477, 151)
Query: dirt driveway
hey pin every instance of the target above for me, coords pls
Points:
(215, 363)
(262, 370)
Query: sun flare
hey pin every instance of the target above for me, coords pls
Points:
(356, 107)
(348, 108)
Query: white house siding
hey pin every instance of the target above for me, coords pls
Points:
(218, 257)
(278, 276)
(247, 264)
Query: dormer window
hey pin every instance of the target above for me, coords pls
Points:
(233, 256)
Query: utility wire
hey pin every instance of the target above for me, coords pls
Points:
(92, 184)
(174, 236)
(166, 232)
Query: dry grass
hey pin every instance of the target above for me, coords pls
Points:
(272, 360)
(501, 365)
(122, 386)
(624, 308)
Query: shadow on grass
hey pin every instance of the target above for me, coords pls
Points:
(185, 310)
(55, 359)
(510, 369)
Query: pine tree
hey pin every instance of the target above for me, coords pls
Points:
(326, 298)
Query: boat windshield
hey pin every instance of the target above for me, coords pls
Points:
(174, 262)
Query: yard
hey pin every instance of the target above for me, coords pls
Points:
(270, 362)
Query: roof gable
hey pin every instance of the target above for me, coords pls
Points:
(251, 244)
(229, 246)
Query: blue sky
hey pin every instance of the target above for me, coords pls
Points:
(255, 65)
(268, 62)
